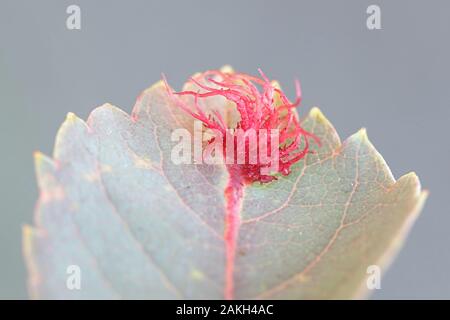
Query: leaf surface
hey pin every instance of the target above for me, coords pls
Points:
(138, 226)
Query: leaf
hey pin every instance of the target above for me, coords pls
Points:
(112, 203)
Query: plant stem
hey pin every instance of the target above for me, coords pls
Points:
(233, 197)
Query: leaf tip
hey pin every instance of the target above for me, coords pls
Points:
(411, 178)
(40, 160)
(227, 69)
(157, 84)
(362, 135)
(275, 84)
(71, 117)
(38, 157)
(315, 112)
(318, 116)
(423, 196)
(411, 175)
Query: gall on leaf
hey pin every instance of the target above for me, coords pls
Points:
(264, 111)
(250, 151)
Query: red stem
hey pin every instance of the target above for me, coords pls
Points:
(233, 197)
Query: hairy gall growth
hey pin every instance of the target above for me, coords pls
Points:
(263, 109)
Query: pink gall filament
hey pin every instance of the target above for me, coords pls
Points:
(255, 100)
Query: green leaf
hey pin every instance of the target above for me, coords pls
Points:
(112, 203)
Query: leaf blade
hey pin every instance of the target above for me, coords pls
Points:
(144, 228)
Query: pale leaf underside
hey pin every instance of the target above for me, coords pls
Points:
(138, 226)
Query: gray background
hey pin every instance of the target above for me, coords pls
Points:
(394, 81)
